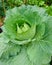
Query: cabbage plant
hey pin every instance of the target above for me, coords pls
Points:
(26, 37)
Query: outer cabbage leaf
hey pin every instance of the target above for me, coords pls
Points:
(40, 30)
(48, 29)
(7, 48)
(10, 51)
(3, 40)
(47, 64)
(40, 52)
(2, 47)
(37, 54)
(20, 59)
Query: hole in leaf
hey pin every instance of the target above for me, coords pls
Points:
(1, 30)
